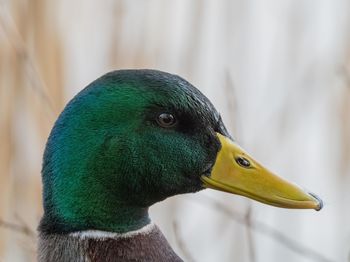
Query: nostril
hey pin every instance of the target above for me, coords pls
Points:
(243, 162)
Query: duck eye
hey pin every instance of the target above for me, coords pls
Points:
(243, 162)
(166, 120)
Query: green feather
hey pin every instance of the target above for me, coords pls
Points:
(107, 159)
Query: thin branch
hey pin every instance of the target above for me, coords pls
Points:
(19, 228)
(181, 244)
(13, 35)
(231, 103)
(248, 222)
(266, 230)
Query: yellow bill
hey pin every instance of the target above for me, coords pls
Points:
(236, 172)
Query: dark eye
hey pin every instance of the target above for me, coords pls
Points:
(166, 120)
(243, 162)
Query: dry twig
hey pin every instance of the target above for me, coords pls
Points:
(266, 230)
(248, 222)
(14, 37)
(19, 228)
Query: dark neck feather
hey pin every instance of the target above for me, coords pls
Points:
(145, 246)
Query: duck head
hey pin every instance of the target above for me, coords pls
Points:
(135, 137)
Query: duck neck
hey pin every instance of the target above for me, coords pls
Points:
(120, 219)
(88, 200)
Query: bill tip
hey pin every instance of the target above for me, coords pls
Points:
(319, 201)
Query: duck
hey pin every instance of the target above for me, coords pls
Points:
(128, 140)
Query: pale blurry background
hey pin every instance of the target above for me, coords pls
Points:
(277, 70)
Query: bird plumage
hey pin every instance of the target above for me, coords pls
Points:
(130, 139)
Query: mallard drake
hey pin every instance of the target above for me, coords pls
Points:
(128, 140)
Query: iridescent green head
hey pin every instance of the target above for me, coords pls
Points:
(128, 140)
(135, 137)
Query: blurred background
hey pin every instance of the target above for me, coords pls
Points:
(278, 71)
